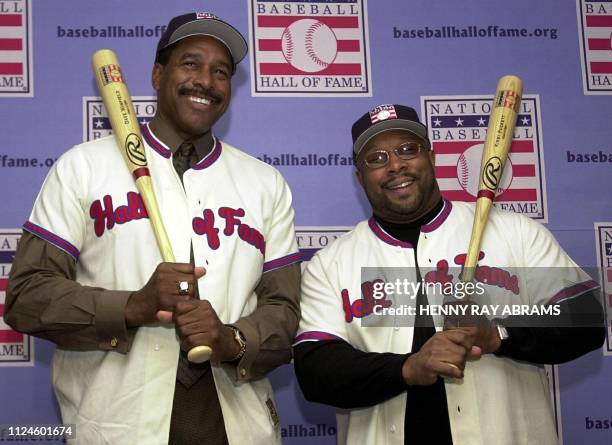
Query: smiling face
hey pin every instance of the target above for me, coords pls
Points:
(401, 191)
(193, 88)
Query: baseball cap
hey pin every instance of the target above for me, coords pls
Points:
(203, 24)
(383, 118)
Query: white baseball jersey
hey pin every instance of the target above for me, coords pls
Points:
(235, 211)
(500, 400)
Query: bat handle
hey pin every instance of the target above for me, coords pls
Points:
(199, 354)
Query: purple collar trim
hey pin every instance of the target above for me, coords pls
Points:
(439, 219)
(430, 227)
(163, 150)
(211, 157)
(384, 236)
(155, 143)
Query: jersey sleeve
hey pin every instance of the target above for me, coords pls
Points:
(58, 216)
(552, 276)
(281, 245)
(322, 311)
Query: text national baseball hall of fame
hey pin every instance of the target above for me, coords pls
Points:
(603, 239)
(16, 49)
(96, 123)
(309, 48)
(595, 34)
(15, 347)
(457, 128)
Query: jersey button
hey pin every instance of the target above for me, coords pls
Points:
(242, 372)
(393, 429)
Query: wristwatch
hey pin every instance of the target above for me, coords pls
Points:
(238, 338)
(504, 336)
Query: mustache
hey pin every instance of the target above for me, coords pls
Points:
(395, 178)
(194, 91)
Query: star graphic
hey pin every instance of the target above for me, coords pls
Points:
(98, 123)
(437, 122)
(481, 122)
(459, 122)
(525, 120)
(608, 248)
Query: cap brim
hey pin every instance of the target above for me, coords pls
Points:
(390, 124)
(226, 34)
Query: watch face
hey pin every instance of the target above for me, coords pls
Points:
(239, 338)
(503, 332)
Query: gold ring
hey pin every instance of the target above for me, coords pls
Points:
(183, 288)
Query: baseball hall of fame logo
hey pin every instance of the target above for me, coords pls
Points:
(457, 127)
(603, 234)
(16, 49)
(111, 73)
(311, 239)
(16, 349)
(96, 123)
(595, 32)
(309, 48)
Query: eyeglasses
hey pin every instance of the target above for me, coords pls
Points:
(380, 158)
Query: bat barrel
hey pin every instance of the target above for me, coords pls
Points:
(500, 131)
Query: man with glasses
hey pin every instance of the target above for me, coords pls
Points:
(402, 378)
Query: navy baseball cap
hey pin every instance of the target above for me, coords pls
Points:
(383, 118)
(203, 24)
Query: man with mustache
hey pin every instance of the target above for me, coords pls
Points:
(88, 275)
(398, 377)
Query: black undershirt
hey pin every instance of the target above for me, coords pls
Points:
(426, 419)
(333, 372)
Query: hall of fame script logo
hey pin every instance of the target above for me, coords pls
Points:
(16, 349)
(603, 236)
(457, 128)
(96, 123)
(16, 49)
(309, 48)
(595, 33)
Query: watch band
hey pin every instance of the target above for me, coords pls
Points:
(504, 336)
(502, 332)
(238, 338)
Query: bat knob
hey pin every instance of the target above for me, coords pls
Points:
(199, 354)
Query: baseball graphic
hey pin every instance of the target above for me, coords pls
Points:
(468, 172)
(309, 45)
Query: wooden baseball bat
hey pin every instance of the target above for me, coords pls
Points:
(497, 145)
(500, 131)
(125, 126)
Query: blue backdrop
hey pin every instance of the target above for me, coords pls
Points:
(293, 108)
